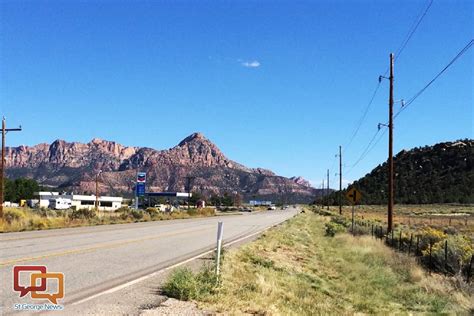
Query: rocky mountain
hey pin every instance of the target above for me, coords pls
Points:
(73, 167)
(442, 173)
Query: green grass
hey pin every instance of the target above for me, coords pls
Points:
(295, 269)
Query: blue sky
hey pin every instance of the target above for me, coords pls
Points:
(275, 84)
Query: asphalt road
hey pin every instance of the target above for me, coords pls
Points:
(97, 259)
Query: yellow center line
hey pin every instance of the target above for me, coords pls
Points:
(99, 246)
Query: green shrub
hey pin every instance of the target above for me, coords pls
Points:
(182, 285)
(11, 215)
(185, 285)
(333, 228)
(83, 213)
(152, 211)
(341, 220)
(136, 214)
(38, 223)
(123, 209)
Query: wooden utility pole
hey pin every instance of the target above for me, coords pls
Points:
(5, 130)
(340, 179)
(327, 193)
(390, 151)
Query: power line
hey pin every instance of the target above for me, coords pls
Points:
(416, 95)
(361, 120)
(413, 30)
(373, 142)
(363, 153)
(401, 48)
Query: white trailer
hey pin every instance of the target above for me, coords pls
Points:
(60, 203)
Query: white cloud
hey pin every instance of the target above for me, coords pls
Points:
(251, 64)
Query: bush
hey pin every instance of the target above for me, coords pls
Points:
(152, 211)
(341, 220)
(11, 215)
(333, 228)
(137, 214)
(185, 285)
(123, 209)
(83, 213)
(459, 253)
(182, 285)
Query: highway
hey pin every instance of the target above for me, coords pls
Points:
(99, 258)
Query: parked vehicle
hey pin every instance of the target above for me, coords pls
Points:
(60, 204)
(271, 208)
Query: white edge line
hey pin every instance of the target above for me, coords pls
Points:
(127, 284)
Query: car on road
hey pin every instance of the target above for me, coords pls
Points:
(271, 208)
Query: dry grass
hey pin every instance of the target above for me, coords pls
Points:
(24, 219)
(295, 270)
(440, 216)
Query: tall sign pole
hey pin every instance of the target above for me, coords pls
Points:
(390, 151)
(5, 130)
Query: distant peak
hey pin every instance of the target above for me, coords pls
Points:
(193, 137)
(96, 140)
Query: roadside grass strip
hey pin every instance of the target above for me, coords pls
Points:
(294, 269)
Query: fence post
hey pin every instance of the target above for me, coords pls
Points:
(411, 240)
(469, 267)
(446, 257)
(220, 231)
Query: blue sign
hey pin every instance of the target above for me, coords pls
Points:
(141, 177)
(140, 189)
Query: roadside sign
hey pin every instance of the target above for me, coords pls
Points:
(353, 196)
(140, 189)
(141, 177)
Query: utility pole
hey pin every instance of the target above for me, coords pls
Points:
(328, 190)
(340, 180)
(5, 130)
(390, 150)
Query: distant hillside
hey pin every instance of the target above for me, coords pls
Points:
(432, 174)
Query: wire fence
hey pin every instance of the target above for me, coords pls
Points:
(442, 251)
(438, 252)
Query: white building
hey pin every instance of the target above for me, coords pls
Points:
(106, 203)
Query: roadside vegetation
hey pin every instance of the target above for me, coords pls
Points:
(300, 269)
(24, 219)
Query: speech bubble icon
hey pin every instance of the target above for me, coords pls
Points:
(25, 289)
(53, 298)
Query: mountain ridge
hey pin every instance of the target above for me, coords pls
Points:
(73, 165)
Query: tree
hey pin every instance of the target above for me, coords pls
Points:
(20, 189)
